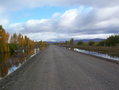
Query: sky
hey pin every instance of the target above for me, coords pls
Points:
(58, 20)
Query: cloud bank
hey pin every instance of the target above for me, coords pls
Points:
(73, 23)
(91, 17)
(17, 4)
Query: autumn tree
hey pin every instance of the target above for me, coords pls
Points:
(14, 39)
(13, 45)
(29, 44)
(21, 40)
(4, 36)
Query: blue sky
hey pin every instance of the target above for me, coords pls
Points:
(44, 12)
(53, 20)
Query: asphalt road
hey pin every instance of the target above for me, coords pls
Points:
(61, 69)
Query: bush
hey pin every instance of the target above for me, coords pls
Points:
(79, 42)
(90, 43)
(110, 41)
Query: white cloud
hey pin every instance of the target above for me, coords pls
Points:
(18, 4)
(4, 21)
(42, 36)
(72, 23)
(3, 17)
(46, 36)
(69, 17)
(93, 18)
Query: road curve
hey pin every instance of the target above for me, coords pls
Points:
(62, 69)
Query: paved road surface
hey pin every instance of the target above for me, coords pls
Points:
(62, 69)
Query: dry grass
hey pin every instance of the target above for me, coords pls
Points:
(113, 51)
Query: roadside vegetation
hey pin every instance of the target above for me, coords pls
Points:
(109, 45)
(111, 41)
(15, 49)
(16, 42)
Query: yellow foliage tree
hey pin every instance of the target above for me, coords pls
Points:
(28, 43)
(21, 40)
(14, 39)
(3, 40)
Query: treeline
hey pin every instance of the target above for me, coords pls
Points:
(111, 41)
(16, 42)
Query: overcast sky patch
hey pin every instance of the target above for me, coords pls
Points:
(83, 18)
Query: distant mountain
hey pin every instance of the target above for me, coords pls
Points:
(87, 40)
(50, 42)
(75, 41)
